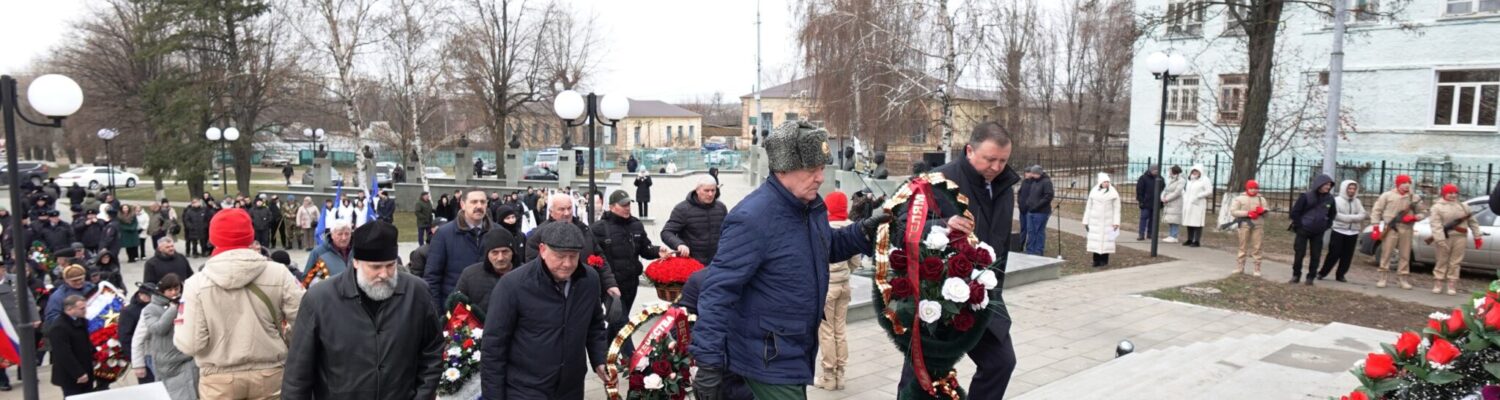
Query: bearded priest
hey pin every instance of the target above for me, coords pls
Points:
(762, 301)
(371, 333)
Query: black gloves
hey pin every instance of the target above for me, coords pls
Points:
(871, 224)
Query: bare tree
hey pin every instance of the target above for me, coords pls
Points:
(413, 31)
(494, 60)
(1014, 39)
(341, 30)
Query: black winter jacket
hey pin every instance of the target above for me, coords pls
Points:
(643, 189)
(72, 353)
(624, 243)
(1313, 212)
(1143, 191)
(160, 265)
(696, 225)
(1036, 195)
(590, 247)
(341, 351)
(195, 222)
(992, 221)
(536, 336)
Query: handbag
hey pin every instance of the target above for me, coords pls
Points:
(276, 316)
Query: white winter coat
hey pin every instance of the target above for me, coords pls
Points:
(1195, 198)
(1171, 211)
(1351, 216)
(1102, 214)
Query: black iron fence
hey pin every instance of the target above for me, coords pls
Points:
(1281, 180)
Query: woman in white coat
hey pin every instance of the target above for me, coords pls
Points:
(1195, 205)
(1101, 213)
(1171, 199)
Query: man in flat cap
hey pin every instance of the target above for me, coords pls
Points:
(370, 333)
(762, 301)
(543, 319)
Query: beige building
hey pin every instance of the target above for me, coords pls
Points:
(795, 101)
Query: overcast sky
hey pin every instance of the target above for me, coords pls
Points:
(671, 50)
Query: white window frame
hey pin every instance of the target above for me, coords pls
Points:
(1177, 92)
(1457, 92)
(1225, 98)
(1176, 29)
(1473, 7)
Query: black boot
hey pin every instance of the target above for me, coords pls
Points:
(1296, 278)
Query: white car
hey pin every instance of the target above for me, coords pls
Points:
(1487, 258)
(435, 173)
(96, 177)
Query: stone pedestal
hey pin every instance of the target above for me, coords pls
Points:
(513, 168)
(566, 170)
(321, 175)
(760, 167)
(463, 166)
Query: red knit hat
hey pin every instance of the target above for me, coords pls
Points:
(1450, 189)
(1251, 184)
(838, 206)
(1403, 178)
(229, 230)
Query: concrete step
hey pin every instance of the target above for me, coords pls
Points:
(1102, 381)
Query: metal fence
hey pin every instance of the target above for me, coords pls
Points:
(1281, 180)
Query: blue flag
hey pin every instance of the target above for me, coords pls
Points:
(338, 197)
(370, 214)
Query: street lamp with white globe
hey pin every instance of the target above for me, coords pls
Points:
(1165, 68)
(224, 136)
(56, 97)
(108, 135)
(570, 106)
(314, 135)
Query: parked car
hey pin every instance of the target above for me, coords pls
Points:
(714, 146)
(275, 161)
(383, 175)
(540, 174)
(722, 158)
(29, 169)
(387, 164)
(1486, 258)
(96, 177)
(335, 178)
(435, 173)
(546, 159)
(660, 156)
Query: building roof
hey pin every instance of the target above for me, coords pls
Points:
(657, 108)
(803, 87)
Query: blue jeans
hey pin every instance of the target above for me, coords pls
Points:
(1146, 228)
(1034, 231)
(1172, 230)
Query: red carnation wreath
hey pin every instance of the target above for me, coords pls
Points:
(669, 274)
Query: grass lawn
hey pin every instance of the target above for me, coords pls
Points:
(1277, 243)
(1080, 261)
(1313, 304)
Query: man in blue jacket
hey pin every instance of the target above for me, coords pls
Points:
(457, 245)
(763, 297)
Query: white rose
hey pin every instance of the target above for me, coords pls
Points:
(672, 345)
(477, 332)
(447, 334)
(989, 249)
(653, 382)
(955, 290)
(451, 374)
(988, 279)
(641, 366)
(476, 356)
(453, 351)
(1438, 315)
(1479, 302)
(930, 311)
(937, 239)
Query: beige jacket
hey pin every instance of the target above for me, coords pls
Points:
(838, 273)
(1392, 203)
(1445, 211)
(225, 327)
(1244, 204)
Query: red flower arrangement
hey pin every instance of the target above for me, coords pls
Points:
(660, 368)
(596, 261)
(672, 270)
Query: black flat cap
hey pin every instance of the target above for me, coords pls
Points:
(560, 236)
(375, 241)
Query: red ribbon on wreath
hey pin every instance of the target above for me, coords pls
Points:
(916, 218)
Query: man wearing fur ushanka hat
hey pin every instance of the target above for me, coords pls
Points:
(770, 277)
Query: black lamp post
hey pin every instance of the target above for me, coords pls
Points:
(57, 97)
(225, 136)
(1167, 69)
(313, 134)
(570, 106)
(108, 135)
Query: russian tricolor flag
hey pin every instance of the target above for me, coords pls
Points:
(10, 348)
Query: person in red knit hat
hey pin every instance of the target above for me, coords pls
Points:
(1449, 241)
(1392, 217)
(1249, 211)
(237, 313)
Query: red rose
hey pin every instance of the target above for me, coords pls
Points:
(959, 241)
(932, 268)
(1407, 344)
(900, 288)
(1379, 366)
(959, 266)
(898, 260)
(964, 320)
(981, 257)
(1356, 395)
(1492, 318)
(637, 381)
(468, 343)
(596, 261)
(661, 367)
(1434, 325)
(976, 292)
(1442, 352)
(1456, 322)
